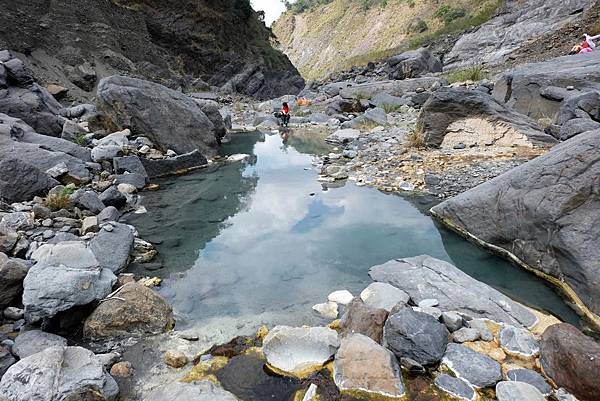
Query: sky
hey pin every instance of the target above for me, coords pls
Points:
(272, 9)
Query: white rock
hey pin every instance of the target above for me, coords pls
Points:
(237, 157)
(342, 297)
(298, 349)
(311, 393)
(126, 188)
(328, 310)
(383, 296)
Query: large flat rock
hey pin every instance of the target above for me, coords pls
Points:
(424, 277)
(545, 213)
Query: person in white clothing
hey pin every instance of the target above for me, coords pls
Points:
(590, 40)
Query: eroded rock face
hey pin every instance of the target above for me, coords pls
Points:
(462, 114)
(544, 212)
(416, 335)
(365, 366)
(296, 350)
(424, 277)
(58, 373)
(134, 310)
(518, 22)
(572, 360)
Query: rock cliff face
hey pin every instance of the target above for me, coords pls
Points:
(178, 43)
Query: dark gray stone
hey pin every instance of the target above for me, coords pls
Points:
(477, 369)
(135, 179)
(110, 213)
(169, 118)
(12, 274)
(112, 248)
(129, 164)
(174, 165)
(416, 335)
(544, 212)
(455, 386)
(112, 197)
(413, 64)
(87, 200)
(531, 377)
(6, 360)
(577, 126)
(424, 277)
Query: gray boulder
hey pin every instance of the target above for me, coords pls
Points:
(474, 117)
(30, 102)
(65, 275)
(12, 274)
(343, 136)
(531, 377)
(212, 110)
(424, 277)
(386, 100)
(170, 119)
(477, 369)
(34, 341)
(110, 213)
(364, 366)
(518, 341)
(174, 165)
(88, 200)
(21, 180)
(413, 64)
(112, 197)
(542, 212)
(129, 164)
(363, 319)
(112, 248)
(518, 391)
(195, 391)
(135, 310)
(455, 386)
(415, 335)
(376, 115)
(464, 335)
(58, 374)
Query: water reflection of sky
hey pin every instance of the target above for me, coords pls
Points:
(284, 243)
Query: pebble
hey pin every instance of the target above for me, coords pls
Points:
(122, 369)
(176, 359)
(13, 313)
(431, 302)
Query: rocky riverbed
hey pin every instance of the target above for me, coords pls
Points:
(76, 326)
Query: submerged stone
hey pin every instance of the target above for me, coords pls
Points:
(298, 350)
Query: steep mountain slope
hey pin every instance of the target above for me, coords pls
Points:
(322, 39)
(327, 38)
(179, 43)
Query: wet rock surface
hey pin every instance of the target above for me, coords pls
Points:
(477, 369)
(424, 277)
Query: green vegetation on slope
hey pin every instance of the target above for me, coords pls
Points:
(325, 36)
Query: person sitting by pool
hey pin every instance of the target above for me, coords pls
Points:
(284, 114)
(587, 45)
